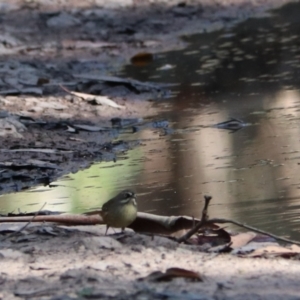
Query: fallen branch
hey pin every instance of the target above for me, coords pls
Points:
(26, 225)
(61, 219)
(144, 222)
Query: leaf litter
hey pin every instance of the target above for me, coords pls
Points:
(186, 266)
(98, 99)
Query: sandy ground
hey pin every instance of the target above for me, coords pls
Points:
(43, 45)
(82, 263)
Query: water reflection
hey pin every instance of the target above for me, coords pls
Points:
(78, 192)
(252, 174)
(250, 72)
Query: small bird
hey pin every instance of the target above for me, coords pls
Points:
(120, 211)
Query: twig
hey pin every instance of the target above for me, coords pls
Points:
(61, 219)
(25, 226)
(276, 237)
(203, 220)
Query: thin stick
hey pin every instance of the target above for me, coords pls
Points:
(203, 220)
(276, 237)
(25, 226)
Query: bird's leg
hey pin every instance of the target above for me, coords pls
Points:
(106, 229)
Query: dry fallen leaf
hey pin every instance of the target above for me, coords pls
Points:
(276, 251)
(213, 236)
(142, 59)
(242, 239)
(103, 100)
(172, 273)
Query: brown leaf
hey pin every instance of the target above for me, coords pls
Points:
(242, 239)
(151, 223)
(212, 236)
(142, 59)
(276, 251)
(178, 272)
(171, 273)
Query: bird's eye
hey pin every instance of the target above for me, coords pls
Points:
(128, 195)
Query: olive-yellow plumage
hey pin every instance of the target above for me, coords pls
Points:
(120, 211)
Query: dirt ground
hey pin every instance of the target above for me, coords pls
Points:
(46, 262)
(76, 44)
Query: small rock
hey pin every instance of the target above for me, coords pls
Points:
(100, 265)
(63, 20)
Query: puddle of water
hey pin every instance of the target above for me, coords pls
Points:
(250, 72)
(78, 192)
